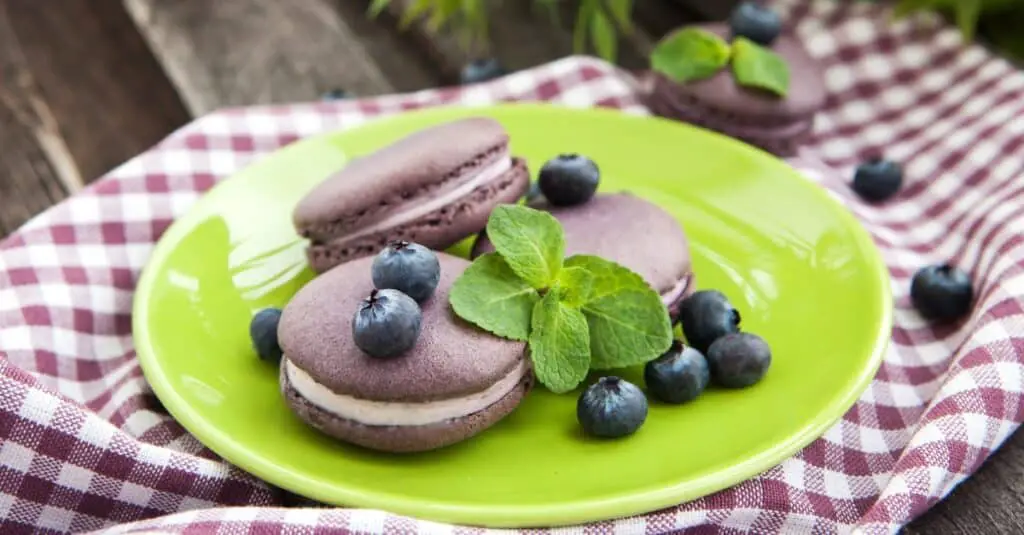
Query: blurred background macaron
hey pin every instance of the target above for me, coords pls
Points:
(434, 187)
(453, 383)
(630, 231)
(777, 124)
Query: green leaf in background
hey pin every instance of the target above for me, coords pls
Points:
(628, 323)
(491, 296)
(690, 54)
(603, 35)
(756, 66)
(559, 345)
(530, 241)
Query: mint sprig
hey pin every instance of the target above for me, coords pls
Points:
(695, 54)
(577, 314)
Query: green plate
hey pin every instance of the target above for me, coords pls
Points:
(800, 268)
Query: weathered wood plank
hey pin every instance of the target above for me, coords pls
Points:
(28, 181)
(990, 501)
(96, 94)
(244, 52)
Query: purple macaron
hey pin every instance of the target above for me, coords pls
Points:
(776, 124)
(455, 381)
(434, 187)
(630, 231)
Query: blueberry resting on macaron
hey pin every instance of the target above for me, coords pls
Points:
(386, 324)
(756, 22)
(407, 267)
(454, 382)
(569, 179)
(941, 292)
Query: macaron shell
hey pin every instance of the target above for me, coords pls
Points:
(623, 228)
(372, 186)
(451, 358)
(721, 93)
(404, 439)
(783, 140)
(438, 230)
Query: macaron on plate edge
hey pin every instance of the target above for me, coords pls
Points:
(779, 245)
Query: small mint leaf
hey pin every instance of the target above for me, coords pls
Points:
(690, 54)
(627, 321)
(574, 286)
(559, 345)
(530, 241)
(756, 66)
(491, 296)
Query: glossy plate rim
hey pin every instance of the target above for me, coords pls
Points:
(499, 516)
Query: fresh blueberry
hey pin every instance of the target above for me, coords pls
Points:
(534, 192)
(336, 94)
(877, 179)
(739, 360)
(481, 70)
(407, 267)
(941, 292)
(263, 332)
(386, 324)
(756, 22)
(569, 179)
(678, 376)
(706, 316)
(611, 408)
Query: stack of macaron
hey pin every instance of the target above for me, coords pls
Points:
(779, 124)
(370, 351)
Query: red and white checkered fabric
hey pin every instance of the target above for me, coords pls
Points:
(85, 446)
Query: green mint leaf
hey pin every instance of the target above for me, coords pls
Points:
(530, 241)
(756, 66)
(491, 296)
(627, 321)
(559, 345)
(574, 285)
(690, 54)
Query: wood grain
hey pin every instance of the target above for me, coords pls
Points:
(244, 52)
(96, 93)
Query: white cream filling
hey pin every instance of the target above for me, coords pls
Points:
(676, 291)
(483, 176)
(400, 413)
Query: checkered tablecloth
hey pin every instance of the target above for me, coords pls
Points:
(84, 445)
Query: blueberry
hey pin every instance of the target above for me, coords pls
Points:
(611, 408)
(386, 324)
(263, 332)
(739, 360)
(534, 192)
(755, 22)
(941, 292)
(569, 179)
(407, 267)
(877, 179)
(678, 376)
(706, 316)
(336, 94)
(481, 70)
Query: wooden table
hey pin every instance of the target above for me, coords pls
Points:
(86, 85)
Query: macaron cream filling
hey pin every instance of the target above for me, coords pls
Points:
(389, 413)
(483, 176)
(676, 292)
